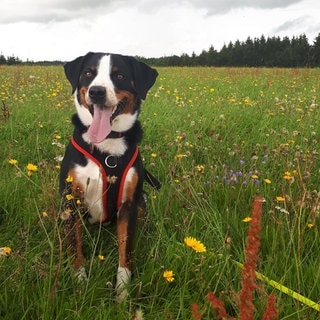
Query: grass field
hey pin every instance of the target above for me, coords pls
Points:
(215, 137)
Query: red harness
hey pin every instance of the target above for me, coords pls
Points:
(110, 166)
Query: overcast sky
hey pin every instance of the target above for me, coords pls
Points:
(64, 29)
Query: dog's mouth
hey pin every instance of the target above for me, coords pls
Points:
(101, 123)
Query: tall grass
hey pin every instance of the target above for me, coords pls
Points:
(215, 137)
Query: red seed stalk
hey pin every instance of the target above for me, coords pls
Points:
(248, 284)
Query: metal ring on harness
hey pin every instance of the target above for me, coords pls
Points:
(111, 162)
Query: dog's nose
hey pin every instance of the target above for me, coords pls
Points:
(97, 94)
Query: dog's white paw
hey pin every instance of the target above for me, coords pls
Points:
(81, 275)
(123, 277)
(121, 295)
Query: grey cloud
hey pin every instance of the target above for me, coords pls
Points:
(54, 10)
(62, 10)
(223, 6)
(291, 24)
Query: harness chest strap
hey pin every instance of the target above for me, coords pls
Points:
(120, 171)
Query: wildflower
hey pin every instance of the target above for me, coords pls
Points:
(267, 181)
(31, 168)
(153, 155)
(101, 257)
(44, 214)
(254, 176)
(112, 179)
(282, 210)
(58, 137)
(5, 251)
(65, 215)
(310, 225)
(287, 175)
(69, 179)
(69, 197)
(168, 275)
(195, 244)
(13, 161)
(179, 156)
(280, 199)
(200, 168)
(247, 219)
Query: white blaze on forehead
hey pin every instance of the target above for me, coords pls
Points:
(103, 79)
(103, 73)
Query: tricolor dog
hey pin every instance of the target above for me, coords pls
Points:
(102, 173)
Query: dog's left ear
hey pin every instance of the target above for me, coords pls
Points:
(144, 77)
(73, 69)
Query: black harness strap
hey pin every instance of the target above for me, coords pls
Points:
(113, 170)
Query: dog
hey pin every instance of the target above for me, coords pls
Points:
(102, 174)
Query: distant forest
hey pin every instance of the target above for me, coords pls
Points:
(257, 52)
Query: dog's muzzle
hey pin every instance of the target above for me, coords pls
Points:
(98, 95)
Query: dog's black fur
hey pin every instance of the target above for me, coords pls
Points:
(102, 173)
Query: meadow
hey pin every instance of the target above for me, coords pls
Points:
(215, 138)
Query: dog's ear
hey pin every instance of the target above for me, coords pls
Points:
(73, 69)
(144, 77)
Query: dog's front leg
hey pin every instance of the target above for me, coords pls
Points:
(73, 233)
(126, 226)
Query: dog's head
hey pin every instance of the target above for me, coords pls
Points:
(108, 89)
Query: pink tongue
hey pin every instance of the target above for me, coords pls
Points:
(100, 126)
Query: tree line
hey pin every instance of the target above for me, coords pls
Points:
(258, 52)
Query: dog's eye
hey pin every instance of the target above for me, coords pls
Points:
(88, 74)
(120, 76)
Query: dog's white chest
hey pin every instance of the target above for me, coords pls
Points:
(90, 178)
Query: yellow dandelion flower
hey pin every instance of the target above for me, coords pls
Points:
(69, 179)
(69, 196)
(168, 275)
(13, 161)
(32, 167)
(247, 219)
(195, 244)
(280, 199)
(101, 257)
(254, 176)
(310, 225)
(153, 155)
(267, 181)
(5, 251)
